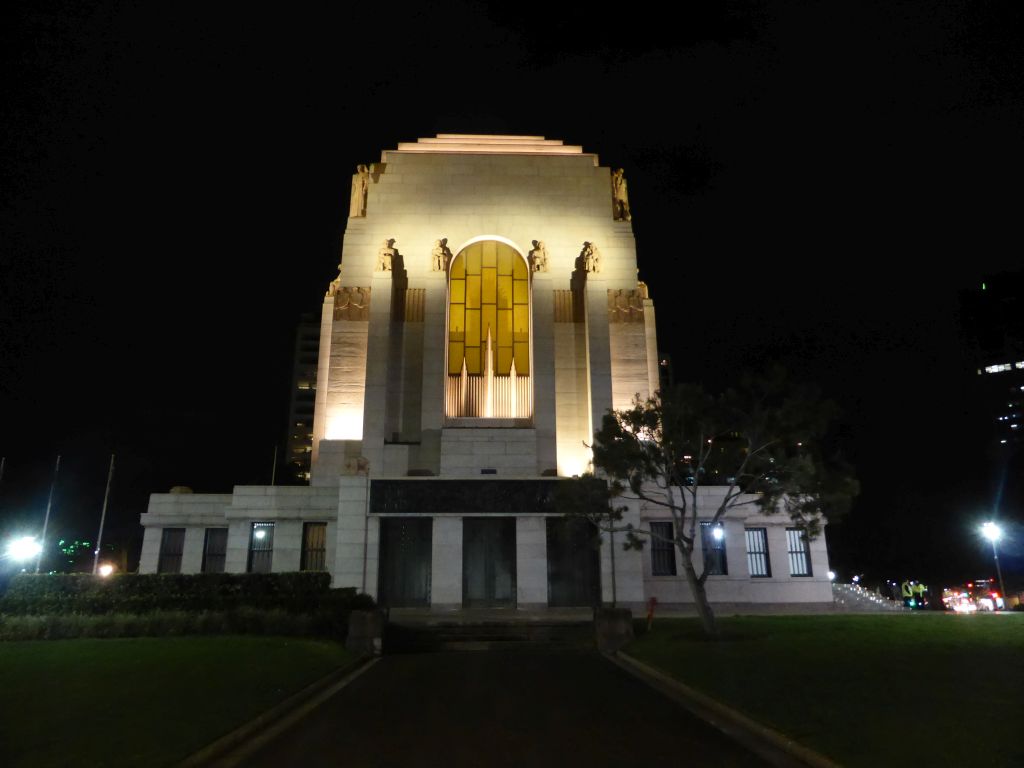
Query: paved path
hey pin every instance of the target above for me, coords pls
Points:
(514, 708)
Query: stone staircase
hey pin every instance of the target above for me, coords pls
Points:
(462, 632)
(855, 599)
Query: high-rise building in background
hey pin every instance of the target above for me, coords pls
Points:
(993, 322)
(299, 434)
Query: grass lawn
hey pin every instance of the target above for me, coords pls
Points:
(143, 701)
(888, 690)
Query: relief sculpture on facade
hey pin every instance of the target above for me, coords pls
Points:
(626, 306)
(351, 303)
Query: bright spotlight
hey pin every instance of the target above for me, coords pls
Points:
(106, 569)
(991, 531)
(259, 533)
(24, 548)
(718, 533)
(831, 575)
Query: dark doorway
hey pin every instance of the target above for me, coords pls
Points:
(488, 562)
(405, 561)
(572, 562)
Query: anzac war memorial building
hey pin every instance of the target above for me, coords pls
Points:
(486, 314)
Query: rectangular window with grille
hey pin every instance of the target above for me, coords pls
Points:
(712, 542)
(663, 553)
(215, 550)
(757, 553)
(799, 552)
(314, 547)
(172, 544)
(261, 547)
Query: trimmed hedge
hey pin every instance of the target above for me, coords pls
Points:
(243, 621)
(80, 593)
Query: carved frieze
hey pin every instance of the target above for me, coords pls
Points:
(351, 303)
(626, 306)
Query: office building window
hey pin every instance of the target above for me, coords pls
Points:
(663, 551)
(757, 553)
(172, 544)
(215, 550)
(799, 552)
(314, 547)
(712, 542)
(261, 547)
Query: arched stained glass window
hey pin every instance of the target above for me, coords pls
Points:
(488, 332)
(490, 294)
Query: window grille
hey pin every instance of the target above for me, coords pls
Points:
(714, 550)
(215, 549)
(757, 553)
(663, 553)
(314, 547)
(261, 547)
(799, 554)
(172, 544)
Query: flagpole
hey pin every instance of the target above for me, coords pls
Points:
(103, 517)
(46, 520)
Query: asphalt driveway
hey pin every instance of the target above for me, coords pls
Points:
(515, 708)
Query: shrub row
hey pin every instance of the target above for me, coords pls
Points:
(242, 621)
(79, 593)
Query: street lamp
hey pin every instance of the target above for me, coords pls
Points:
(23, 548)
(993, 533)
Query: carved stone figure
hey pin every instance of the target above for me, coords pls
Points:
(539, 257)
(386, 255)
(360, 186)
(335, 283)
(620, 197)
(440, 256)
(591, 258)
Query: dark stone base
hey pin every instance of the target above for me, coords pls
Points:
(613, 628)
(365, 630)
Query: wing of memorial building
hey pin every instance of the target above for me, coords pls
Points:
(486, 313)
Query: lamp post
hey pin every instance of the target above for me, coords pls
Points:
(993, 532)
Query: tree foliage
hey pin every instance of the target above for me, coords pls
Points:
(762, 442)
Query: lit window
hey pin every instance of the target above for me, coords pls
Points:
(314, 547)
(261, 547)
(1000, 368)
(712, 541)
(757, 552)
(799, 552)
(489, 333)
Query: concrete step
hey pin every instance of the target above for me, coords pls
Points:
(419, 638)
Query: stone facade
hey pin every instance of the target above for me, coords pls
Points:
(487, 312)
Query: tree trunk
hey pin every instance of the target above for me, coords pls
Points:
(700, 597)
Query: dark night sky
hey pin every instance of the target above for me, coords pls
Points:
(809, 182)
